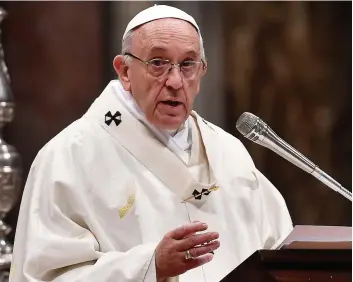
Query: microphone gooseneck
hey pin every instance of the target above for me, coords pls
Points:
(256, 130)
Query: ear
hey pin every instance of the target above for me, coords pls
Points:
(204, 70)
(121, 69)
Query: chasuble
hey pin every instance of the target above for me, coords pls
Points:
(102, 193)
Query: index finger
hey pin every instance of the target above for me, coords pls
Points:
(187, 229)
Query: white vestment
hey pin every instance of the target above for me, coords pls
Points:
(102, 194)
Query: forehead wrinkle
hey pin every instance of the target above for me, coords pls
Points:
(161, 24)
(166, 46)
(161, 34)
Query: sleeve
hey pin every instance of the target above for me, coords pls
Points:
(52, 241)
(275, 220)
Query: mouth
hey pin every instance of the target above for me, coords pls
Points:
(171, 103)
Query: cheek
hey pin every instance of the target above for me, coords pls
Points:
(191, 91)
(146, 93)
(152, 90)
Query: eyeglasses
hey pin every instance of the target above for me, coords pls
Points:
(159, 67)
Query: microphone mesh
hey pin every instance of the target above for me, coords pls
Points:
(246, 122)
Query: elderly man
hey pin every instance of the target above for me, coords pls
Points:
(141, 188)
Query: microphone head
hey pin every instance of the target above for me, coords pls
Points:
(246, 122)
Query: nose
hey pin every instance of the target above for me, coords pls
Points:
(174, 79)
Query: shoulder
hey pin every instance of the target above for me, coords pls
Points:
(74, 133)
(228, 141)
(217, 129)
(72, 141)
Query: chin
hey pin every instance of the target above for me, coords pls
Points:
(168, 126)
(169, 123)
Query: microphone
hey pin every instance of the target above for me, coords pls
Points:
(256, 130)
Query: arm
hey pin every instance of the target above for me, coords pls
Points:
(276, 222)
(52, 240)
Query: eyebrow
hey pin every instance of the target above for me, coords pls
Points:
(192, 53)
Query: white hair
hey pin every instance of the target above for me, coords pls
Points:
(127, 43)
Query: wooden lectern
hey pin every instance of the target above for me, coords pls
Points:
(309, 253)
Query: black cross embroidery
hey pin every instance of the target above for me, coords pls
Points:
(198, 195)
(116, 118)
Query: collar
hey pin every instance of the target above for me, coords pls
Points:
(179, 140)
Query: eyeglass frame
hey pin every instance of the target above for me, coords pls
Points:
(148, 62)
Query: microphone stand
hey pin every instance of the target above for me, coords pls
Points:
(262, 134)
